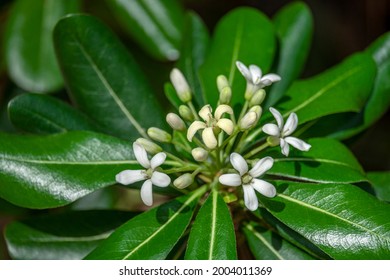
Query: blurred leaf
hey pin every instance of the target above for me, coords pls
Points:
(28, 42)
(243, 34)
(43, 114)
(294, 27)
(267, 245)
(380, 181)
(152, 234)
(171, 95)
(349, 83)
(344, 221)
(50, 171)
(212, 235)
(328, 161)
(103, 79)
(155, 25)
(193, 52)
(65, 236)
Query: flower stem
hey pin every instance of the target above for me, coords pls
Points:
(255, 151)
(193, 110)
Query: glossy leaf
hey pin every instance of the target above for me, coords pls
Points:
(65, 236)
(243, 34)
(29, 51)
(379, 100)
(103, 79)
(193, 52)
(349, 83)
(267, 245)
(294, 28)
(380, 181)
(212, 235)
(152, 234)
(155, 25)
(328, 161)
(43, 114)
(50, 171)
(344, 221)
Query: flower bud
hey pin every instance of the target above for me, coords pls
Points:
(199, 154)
(257, 98)
(222, 83)
(186, 113)
(181, 86)
(225, 95)
(151, 147)
(258, 110)
(247, 121)
(159, 135)
(175, 122)
(183, 181)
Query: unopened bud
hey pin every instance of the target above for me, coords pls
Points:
(199, 154)
(225, 96)
(257, 98)
(151, 147)
(183, 181)
(181, 86)
(247, 121)
(186, 113)
(258, 110)
(222, 82)
(159, 135)
(175, 122)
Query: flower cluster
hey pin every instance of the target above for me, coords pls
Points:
(215, 147)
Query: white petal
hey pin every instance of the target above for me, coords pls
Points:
(205, 112)
(278, 117)
(194, 127)
(128, 177)
(232, 180)
(209, 138)
(147, 193)
(226, 125)
(271, 77)
(263, 187)
(250, 198)
(141, 155)
(221, 109)
(244, 71)
(255, 73)
(285, 147)
(157, 160)
(291, 125)
(298, 143)
(239, 163)
(271, 129)
(261, 167)
(160, 179)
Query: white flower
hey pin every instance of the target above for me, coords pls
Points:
(280, 133)
(211, 124)
(255, 79)
(248, 179)
(150, 174)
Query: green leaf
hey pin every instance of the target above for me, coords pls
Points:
(193, 52)
(103, 79)
(344, 221)
(243, 34)
(65, 236)
(155, 25)
(267, 245)
(349, 83)
(56, 170)
(29, 51)
(379, 100)
(212, 235)
(380, 181)
(328, 161)
(294, 27)
(152, 234)
(43, 114)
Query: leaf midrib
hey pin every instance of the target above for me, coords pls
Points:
(213, 224)
(317, 160)
(54, 162)
(71, 239)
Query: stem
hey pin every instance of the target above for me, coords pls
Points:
(172, 163)
(175, 158)
(254, 134)
(241, 141)
(182, 169)
(192, 108)
(255, 151)
(179, 144)
(243, 111)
